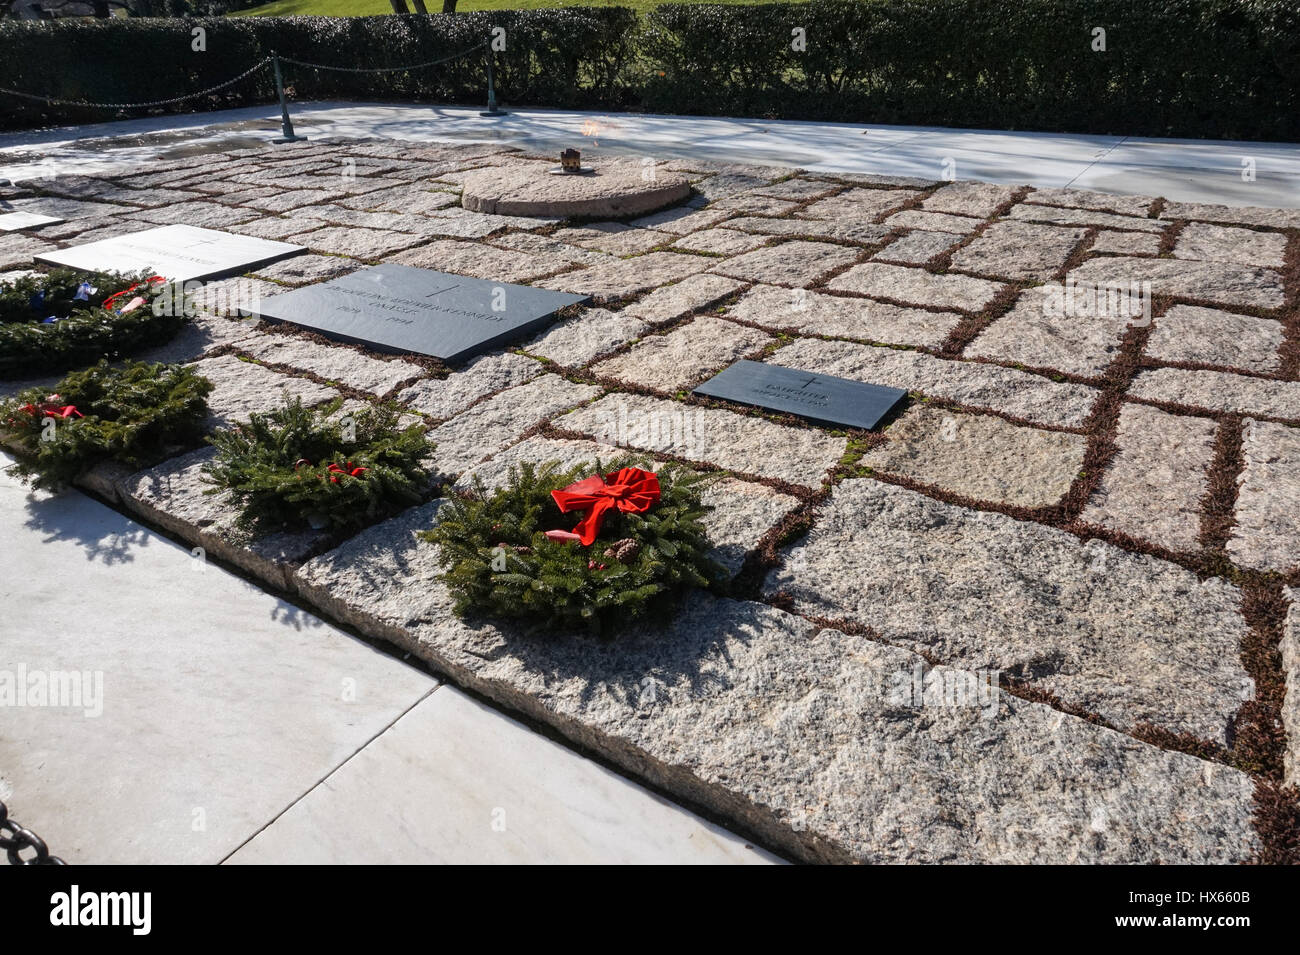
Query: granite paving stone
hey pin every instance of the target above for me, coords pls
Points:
(684, 356)
(612, 237)
(1053, 215)
(917, 286)
(742, 443)
(1211, 336)
(308, 268)
(357, 242)
(18, 250)
(865, 204)
(1219, 391)
(670, 302)
(480, 261)
(546, 247)
(1126, 243)
(485, 375)
(1087, 199)
(1237, 215)
(621, 278)
(205, 215)
(796, 263)
(1155, 485)
(243, 387)
(468, 438)
(796, 713)
(916, 248)
(336, 364)
(968, 199)
(277, 228)
(1217, 243)
(681, 220)
(848, 231)
(1018, 250)
(282, 200)
(201, 334)
(237, 297)
(1219, 282)
(1266, 535)
(719, 242)
(753, 204)
(980, 457)
(591, 333)
(815, 313)
(933, 222)
(797, 189)
(1040, 333)
(975, 385)
(1127, 636)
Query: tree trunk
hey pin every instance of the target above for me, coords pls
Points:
(102, 12)
(448, 6)
(419, 6)
(399, 6)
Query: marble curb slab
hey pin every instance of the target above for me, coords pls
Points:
(820, 743)
(179, 252)
(13, 221)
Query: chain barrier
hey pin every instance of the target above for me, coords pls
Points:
(159, 102)
(14, 840)
(54, 101)
(382, 69)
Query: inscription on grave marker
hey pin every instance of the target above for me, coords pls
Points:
(401, 308)
(824, 399)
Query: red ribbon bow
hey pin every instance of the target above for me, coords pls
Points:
(349, 469)
(50, 410)
(629, 489)
(151, 280)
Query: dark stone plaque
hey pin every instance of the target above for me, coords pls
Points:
(824, 399)
(403, 309)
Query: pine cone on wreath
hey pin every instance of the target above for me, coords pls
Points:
(624, 551)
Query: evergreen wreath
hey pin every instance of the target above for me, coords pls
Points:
(296, 465)
(53, 321)
(137, 413)
(512, 553)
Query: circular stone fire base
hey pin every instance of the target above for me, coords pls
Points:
(613, 189)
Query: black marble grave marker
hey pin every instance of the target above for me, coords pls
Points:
(403, 309)
(823, 399)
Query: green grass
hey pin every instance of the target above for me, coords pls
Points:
(367, 8)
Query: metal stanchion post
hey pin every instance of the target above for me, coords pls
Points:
(492, 93)
(286, 124)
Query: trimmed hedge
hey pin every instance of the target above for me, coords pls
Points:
(573, 57)
(1196, 68)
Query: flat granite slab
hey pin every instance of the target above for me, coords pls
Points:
(816, 742)
(179, 252)
(399, 308)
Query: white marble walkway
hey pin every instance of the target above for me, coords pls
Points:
(1233, 173)
(213, 722)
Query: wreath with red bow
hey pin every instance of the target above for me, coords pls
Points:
(62, 319)
(638, 544)
(134, 413)
(325, 467)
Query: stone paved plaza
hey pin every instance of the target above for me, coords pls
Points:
(1091, 496)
